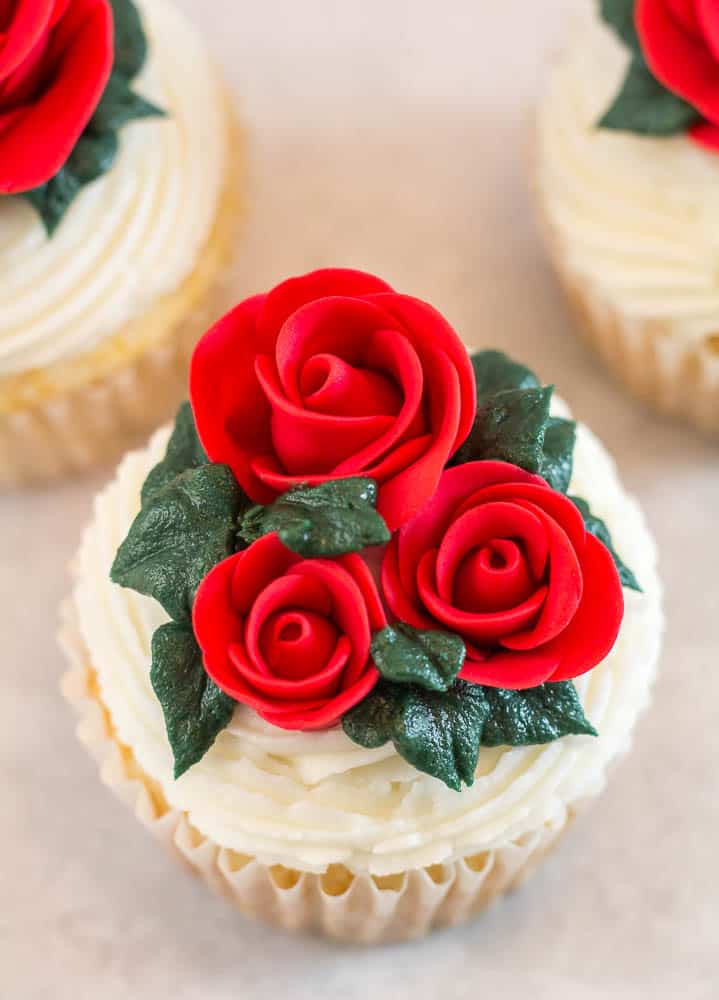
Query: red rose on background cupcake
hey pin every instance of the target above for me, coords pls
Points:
(288, 636)
(680, 42)
(55, 59)
(504, 561)
(332, 375)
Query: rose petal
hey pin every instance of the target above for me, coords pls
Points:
(430, 330)
(427, 528)
(399, 458)
(535, 496)
(349, 611)
(289, 296)
(591, 634)
(362, 576)
(483, 628)
(493, 578)
(685, 14)
(23, 25)
(256, 567)
(321, 716)
(8, 117)
(60, 8)
(393, 352)
(482, 525)
(215, 622)
(403, 495)
(28, 81)
(332, 386)
(82, 52)
(707, 17)
(683, 62)
(295, 641)
(231, 410)
(405, 607)
(706, 135)
(295, 591)
(331, 325)
(515, 671)
(564, 591)
(268, 689)
(304, 440)
(341, 445)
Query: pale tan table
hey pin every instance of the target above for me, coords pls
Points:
(392, 136)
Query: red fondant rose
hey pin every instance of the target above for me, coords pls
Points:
(333, 375)
(55, 59)
(680, 41)
(503, 560)
(289, 637)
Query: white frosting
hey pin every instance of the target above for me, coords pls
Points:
(637, 216)
(310, 800)
(135, 233)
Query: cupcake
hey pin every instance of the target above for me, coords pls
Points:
(628, 171)
(361, 633)
(118, 199)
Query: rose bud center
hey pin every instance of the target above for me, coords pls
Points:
(295, 643)
(331, 385)
(493, 577)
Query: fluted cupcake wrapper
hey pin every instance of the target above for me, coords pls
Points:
(354, 908)
(678, 381)
(89, 410)
(656, 364)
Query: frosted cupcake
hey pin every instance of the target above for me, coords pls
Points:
(628, 176)
(362, 633)
(118, 197)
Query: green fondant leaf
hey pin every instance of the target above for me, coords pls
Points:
(558, 454)
(195, 709)
(184, 529)
(509, 427)
(92, 156)
(619, 14)
(513, 418)
(643, 105)
(119, 105)
(130, 41)
(595, 526)
(537, 715)
(495, 371)
(52, 200)
(326, 520)
(407, 655)
(184, 451)
(438, 733)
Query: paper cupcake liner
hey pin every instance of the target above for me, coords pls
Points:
(92, 409)
(677, 379)
(354, 908)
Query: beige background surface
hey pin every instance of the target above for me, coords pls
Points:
(392, 136)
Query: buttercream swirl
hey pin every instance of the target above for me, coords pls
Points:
(308, 800)
(134, 234)
(636, 216)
